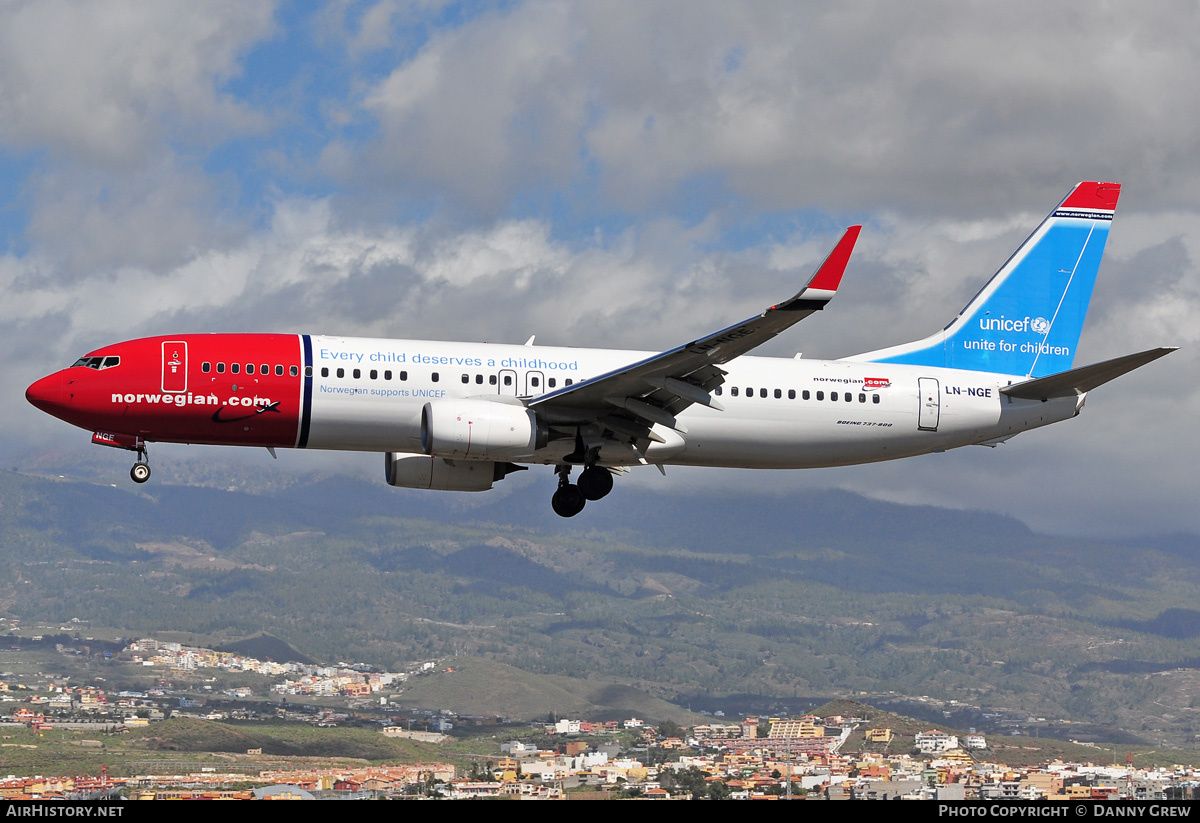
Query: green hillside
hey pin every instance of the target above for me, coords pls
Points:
(705, 603)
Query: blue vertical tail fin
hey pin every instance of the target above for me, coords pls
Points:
(1028, 318)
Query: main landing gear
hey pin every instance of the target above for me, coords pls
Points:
(569, 499)
(595, 482)
(140, 472)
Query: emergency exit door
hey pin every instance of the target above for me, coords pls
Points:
(174, 366)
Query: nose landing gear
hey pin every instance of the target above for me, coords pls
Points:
(140, 472)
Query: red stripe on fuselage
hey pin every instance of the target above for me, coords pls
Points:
(250, 407)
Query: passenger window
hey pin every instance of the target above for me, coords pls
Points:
(479, 379)
(374, 374)
(733, 391)
(234, 368)
(220, 368)
(778, 394)
(534, 382)
(551, 381)
(435, 377)
(264, 369)
(249, 368)
(387, 374)
(279, 371)
(862, 398)
(717, 391)
(205, 366)
(508, 379)
(805, 395)
(749, 392)
(492, 379)
(875, 398)
(569, 381)
(820, 395)
(466, 378)
(341, 372)
(791, 394)
(403, 375)
(848, 397)
(357, 373)
(324, 371)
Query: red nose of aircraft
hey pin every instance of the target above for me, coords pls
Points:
(47, 394)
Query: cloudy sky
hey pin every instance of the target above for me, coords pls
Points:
(619, 174)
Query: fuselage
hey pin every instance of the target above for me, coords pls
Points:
(359, 394)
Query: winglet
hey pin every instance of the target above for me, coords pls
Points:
(823, 285)
(829, 275)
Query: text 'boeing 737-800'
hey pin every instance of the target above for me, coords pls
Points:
(460, 416)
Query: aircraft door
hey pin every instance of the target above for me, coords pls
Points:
(174, 366)
(929, 398)
(535, 383)
(508, 382)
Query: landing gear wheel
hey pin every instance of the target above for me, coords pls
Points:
(595, 482)
(140, 472)
(568, 501)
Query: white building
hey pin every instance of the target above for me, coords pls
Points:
(935, 741)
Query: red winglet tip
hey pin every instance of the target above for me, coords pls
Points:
(829, 276)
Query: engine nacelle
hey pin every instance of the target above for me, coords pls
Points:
(480, 430)
(421, 471)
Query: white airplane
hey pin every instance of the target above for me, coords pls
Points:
(460, 416)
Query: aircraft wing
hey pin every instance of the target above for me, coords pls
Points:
(631, 399)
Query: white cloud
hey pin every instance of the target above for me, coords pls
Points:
(103, 82)
(922, 106)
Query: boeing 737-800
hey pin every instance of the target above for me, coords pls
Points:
(460, 416)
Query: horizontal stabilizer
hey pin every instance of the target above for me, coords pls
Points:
(1084, 379)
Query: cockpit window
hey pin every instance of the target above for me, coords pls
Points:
(98, 363)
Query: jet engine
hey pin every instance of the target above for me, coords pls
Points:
(421, 471)
(480, 430)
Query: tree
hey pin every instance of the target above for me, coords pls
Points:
(684, 781)
(719, 791)
(669, 728)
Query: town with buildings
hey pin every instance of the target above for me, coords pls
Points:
(812, 757)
